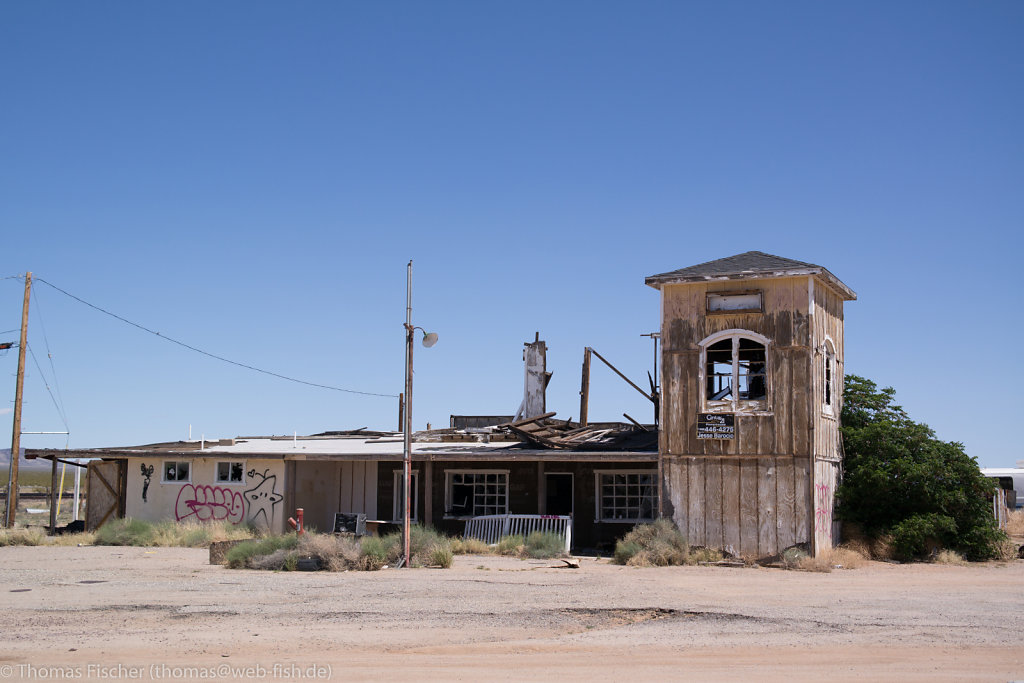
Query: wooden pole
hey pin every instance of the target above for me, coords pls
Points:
(54, 487)
(585, 388)
(407, 421)
(12, 477)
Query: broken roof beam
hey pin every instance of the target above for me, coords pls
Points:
(616, 371)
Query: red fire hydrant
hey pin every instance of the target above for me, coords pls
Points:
(297, 525)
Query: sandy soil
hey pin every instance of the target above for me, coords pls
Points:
(145, 613)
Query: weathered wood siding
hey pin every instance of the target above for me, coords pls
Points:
(785, 428)
(772, 486)
(323, 488)
(827, 327)
(750, 507)
(826, 475)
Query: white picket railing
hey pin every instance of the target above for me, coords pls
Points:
(490, 528)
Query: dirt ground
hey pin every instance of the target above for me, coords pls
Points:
(103, 613)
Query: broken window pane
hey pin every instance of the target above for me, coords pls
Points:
(751, 370)
(719, 371)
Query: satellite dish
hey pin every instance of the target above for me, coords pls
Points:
(429, 339)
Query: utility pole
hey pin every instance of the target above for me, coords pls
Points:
(12, 477)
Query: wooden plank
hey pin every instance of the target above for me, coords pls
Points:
(748, 507)
(731, 505)
(785, 489)
(802, 503)
(678, 492)
(767, 537)
(695, 502)
(783, 404)
(800, 415)
(713, 503)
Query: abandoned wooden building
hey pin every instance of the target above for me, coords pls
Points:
(752, 379)
(745, 457)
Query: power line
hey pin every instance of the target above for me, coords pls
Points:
(49, 354)
(60, 411)
(207, 353)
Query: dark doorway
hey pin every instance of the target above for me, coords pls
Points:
(558, 500)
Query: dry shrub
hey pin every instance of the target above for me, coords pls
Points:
(1009, 549)
(950, 557)
(441, 556)
(83, 538)
(335, 553)
(702, 554)
(543, 545)
(659, 544)
(23, 536)
(842, 557)
(510, 545)
(471, 546)
(1015, 523)
(882, 548)
(860, 546)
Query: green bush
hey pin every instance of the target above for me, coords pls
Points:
(900, 480)
(659, 544)
(510, 545)
(125, 531)
(242, 554)
(441, 556)
(544, 545)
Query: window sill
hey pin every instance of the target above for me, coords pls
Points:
(645, 520)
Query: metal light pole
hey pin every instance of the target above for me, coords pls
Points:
(429, 339)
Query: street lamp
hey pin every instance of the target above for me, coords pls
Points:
(429, 339)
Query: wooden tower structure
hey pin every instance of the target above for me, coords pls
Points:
(752, 380)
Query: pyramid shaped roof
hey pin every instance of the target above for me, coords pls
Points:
(749, 265)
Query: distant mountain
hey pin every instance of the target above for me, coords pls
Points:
(5, 462)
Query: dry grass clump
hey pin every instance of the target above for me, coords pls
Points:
(328, 552)
(1009, 550)
(659, 544)
(82, 538)
(543, 545)
(22, 536)
(841, 557)
(510, 545)
(168, 533)
(470, 546)
(1015, 523)
(950, 557)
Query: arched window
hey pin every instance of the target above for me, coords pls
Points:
(735, 371)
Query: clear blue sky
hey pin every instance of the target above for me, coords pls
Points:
(252, 177)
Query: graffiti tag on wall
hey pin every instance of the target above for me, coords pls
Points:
(209, 503)
(823, 511)
(262, 498)
(147, 473)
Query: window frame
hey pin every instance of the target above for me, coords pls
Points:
(599, 512)
(177, 463)
(734, 293)
(828, 380)
(397, 499)
(448, 483)
(735, 404)
(229, 463)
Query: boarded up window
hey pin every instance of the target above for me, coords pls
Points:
(734, 302)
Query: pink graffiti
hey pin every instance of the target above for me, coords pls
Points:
(823, 510)
(209, 503)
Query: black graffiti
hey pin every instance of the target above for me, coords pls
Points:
(262, 498)
(147, 472)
